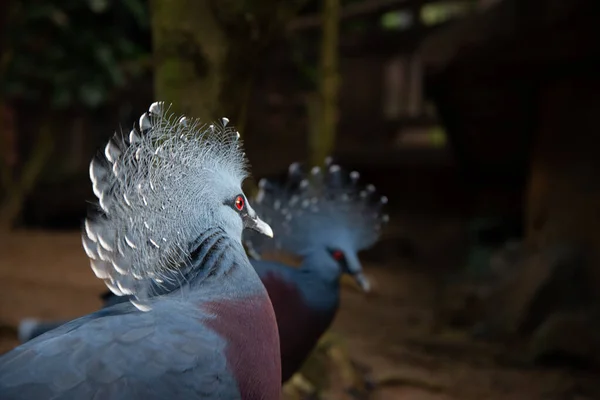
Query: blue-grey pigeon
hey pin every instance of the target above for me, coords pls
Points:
(166, 234)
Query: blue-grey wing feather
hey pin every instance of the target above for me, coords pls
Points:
(120, 353)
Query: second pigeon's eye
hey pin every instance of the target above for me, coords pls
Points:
(239, 203)
(337, 255)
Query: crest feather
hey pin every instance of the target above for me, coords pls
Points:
(156, 192)
(309, 206)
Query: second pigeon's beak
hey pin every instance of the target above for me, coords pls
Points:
(354, 269)
(253, 221)
(363, 282)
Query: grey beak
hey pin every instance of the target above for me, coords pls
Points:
(261, 226)
(362, 281)
(253, 221)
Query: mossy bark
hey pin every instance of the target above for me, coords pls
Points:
(190, 49)
(206, 52)
(322, 139)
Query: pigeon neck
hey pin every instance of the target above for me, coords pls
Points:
(219, 267)
(320, 286)
(319, 265)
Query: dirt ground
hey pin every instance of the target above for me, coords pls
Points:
(47, 276)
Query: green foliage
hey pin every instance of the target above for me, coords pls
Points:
(442, 11)
(71, 52)
(438, 136)
(397, 20)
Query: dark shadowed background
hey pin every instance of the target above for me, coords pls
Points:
(477, 119)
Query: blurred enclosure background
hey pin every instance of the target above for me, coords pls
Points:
(478, 119)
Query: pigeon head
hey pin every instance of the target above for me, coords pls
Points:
(158, 190)
(324, 216)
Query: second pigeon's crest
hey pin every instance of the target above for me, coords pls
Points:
(320, 202)
(157, 189)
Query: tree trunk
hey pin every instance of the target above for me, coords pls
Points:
(18, 189)
(563, 211)
(190, 50)
(207, 52)
(321, 140)
(564, 190)
(562, 270)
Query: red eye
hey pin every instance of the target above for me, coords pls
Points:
(239, 203)
(338, 255)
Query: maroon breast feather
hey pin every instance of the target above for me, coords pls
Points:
(300, 327)
(253, 356)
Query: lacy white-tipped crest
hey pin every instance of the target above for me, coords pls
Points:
(308, 207)
(156, 193)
